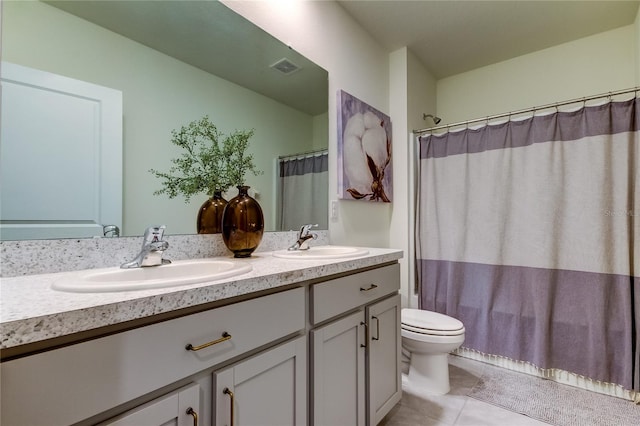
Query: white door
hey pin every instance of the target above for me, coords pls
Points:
(179, 408)
(384, 365)
(269, 389)
(338, 358)
(60, 156)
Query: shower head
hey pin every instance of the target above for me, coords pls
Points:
(435, 119)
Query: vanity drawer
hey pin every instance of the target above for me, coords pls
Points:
(70, 384)
(333, 297)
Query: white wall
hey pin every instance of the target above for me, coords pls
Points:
(159, 94)
(399, 229)
(422, 98)
(320, 131)
(588, 66)
(637, 47)
(412, 93)
(326, 34)
(421, 94)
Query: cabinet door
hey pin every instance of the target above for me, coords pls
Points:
(338, 358)
(267, 389)
(179, 408)
(384, 366)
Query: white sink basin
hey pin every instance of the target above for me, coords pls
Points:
(181, 272)
(322, 252)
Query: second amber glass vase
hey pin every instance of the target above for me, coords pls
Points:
(210, 214)
(242, 224)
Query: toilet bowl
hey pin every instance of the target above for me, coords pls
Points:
(429, 337)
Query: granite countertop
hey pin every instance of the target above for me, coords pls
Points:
(30, 311)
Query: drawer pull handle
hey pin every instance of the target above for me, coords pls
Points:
(225, 336)
(370, 288)
(192, 412)
(377, 328)
(232, 402)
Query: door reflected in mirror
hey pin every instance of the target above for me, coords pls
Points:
(175, 62)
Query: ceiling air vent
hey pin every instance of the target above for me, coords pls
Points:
(285, 66)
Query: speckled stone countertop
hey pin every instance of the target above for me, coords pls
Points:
(30, 311)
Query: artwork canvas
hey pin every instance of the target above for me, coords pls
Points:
(364, 151)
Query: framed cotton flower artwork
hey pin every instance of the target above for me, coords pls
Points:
(364, 151)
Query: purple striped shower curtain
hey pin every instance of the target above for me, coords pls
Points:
(527, 232)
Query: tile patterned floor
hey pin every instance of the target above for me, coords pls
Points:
(455, 408)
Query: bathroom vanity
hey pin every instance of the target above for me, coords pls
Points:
(355, 354)
(291, 342)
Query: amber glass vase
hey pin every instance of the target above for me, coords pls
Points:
(242, 224)
(210, 214)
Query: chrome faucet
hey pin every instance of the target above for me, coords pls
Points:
(110, 231)
(153, 248)
(303, 237)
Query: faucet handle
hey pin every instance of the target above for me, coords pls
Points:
(153, 234)
(304, 229)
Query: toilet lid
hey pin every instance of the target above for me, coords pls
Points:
(430, 332)
(429, 322)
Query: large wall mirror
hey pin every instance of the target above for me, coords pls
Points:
(175, 62)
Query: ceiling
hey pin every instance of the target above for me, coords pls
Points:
(451, 37)
(212, 37)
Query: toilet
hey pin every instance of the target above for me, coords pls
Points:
(428, 337)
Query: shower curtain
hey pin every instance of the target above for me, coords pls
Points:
(527, 231)
(303, 191)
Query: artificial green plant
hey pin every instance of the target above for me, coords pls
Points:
(211, 161)
(238, 161)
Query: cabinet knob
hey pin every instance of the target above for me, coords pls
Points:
(225, 336)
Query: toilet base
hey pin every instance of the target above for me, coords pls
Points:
(429, 373)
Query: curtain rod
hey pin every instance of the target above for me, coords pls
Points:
(528, 110)
(304, 154)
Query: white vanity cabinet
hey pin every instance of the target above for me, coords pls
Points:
(268, 389)
(68, 385)
(338, 372)
(355, 348)
(315, 351)
(384, 365)
(179, 408)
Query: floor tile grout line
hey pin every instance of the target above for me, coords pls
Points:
(466, 399)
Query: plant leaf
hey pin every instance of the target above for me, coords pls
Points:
(372, 168)
(356, 194)
(210, 162)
